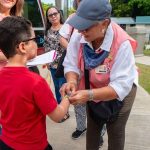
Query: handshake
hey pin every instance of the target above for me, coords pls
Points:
(69, 91)
(67, 95)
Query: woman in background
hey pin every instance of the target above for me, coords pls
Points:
(54, 21)
(9, 8)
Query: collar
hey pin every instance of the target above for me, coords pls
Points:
(108, 39)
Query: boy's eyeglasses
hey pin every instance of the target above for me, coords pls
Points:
(54, 14)
(38, 40)
(34, 39)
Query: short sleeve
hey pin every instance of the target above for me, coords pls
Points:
(44, 97)
(65, 31)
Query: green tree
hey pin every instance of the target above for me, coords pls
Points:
(120, 8)
(45, 6)
(71, 11)
(133, 8)
(140, 7)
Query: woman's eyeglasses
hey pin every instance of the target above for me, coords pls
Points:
(53, 14)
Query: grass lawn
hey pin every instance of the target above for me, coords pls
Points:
(146, 52)
(144, 76)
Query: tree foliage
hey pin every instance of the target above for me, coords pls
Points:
(140, 7)
(45, 6)
(71, 11)
(133, 8)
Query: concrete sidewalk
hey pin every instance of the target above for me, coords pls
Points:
(143, 60)
(137, 130)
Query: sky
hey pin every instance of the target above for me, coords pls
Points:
(53, 2)
(48, 1)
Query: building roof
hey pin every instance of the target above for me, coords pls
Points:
(142, 19)
(123, 20)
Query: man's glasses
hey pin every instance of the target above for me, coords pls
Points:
(54, 14)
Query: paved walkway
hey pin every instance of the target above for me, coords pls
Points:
(143, 60)
(137, 131)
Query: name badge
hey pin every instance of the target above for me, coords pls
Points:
(101, 69)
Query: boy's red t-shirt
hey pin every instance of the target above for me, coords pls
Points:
(25, 99)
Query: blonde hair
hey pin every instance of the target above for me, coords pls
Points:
(17, 9)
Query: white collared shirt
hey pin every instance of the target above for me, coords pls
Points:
(123, 73)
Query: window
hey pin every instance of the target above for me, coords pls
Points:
(33, 12)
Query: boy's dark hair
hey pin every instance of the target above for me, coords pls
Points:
(13, 30)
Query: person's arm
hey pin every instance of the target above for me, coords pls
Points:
(123, 73)
(103, 94)
(63, 42)
(46, 102)
(70, 64)
(65, 34)
(60, 111)
(71, 60)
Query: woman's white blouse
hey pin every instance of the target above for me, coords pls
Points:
(123, 73)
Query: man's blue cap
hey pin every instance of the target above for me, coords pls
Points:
(90, 12)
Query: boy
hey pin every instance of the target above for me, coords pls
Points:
(25, 97)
